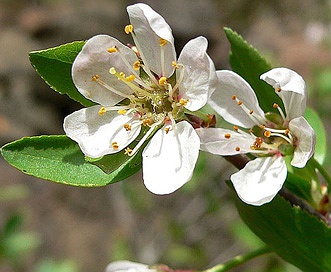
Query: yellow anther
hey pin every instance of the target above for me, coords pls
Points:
(162, 80)
(112, 70)
(128, 29)
(102, 111)
(122, 75)
(146, 122)
(114, 145)
(227, 135)
(95, 78)
(167, 129)
(234, 97)
(287, 131)
(239, 102)
(136, 65)
(267, 133)
(163, 42)
(175, 65)
(237, 148)
(130, 78)
(262, 126)
(251, 112)
(127, 151)
(275, 106)
(235, 128)
(183, 101)
(127, 127)
(122, 112)
(112, 49)
(278, 89)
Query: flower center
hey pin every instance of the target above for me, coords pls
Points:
(154, 99)
(270, 135)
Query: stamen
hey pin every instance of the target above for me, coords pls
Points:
(146, 122)
(276, 106)
(136, 65)
(257, 119)
(96, 78)
(162, 80)
(227, 136)
(237, 148)
(183, 102)
(127, 127)
(180, 78)
(278, 89)
(143, 139)
(102, 111)
(175, 65)
(128, 29)
(134, 87)
(163, 42)
(114, 145)
(132, 69)
(130, 78)
(267, 133)
(121, 112)
(112, 49)
(235, 128)
(127, 151)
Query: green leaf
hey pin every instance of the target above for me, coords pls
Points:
(321, 142)
(59, 159)
(295, 235)
(54, 66)
(247, 62)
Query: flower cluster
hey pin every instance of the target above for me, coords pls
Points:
(142, 91)
(145, 98)
(267, 136)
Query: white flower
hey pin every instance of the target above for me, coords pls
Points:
(128, 266)
(143, 90)
(269, 137)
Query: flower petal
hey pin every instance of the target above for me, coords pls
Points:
(231, 84)
(199, 78)
(260, 180)
(149, 27)
(127, 266)
(169, 158)
(94, 59)
(292, 90)
(224, 142)
(306, 140)
(95, 134)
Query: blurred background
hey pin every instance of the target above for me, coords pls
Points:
(50, 227)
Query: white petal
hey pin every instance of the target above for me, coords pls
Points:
(94, 59)
(306, 140)
(260, 180)
(127, 266)
(149, 27)
(230, 84)
(95, 134)
(293, 90)
(169, 158)
(214, 140)
(199, 74)
(286, 79)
